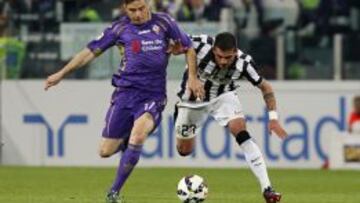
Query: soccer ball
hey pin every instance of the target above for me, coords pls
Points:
(192, 189)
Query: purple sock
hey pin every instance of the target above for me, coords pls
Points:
(127, 163)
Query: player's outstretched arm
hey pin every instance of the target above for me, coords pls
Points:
(194, 83)
(81, 59)
(270, 101)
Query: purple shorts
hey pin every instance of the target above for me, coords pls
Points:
(126, 106)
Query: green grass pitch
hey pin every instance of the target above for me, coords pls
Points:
(158, 185)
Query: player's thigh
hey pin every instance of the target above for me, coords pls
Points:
(227, 108)
(147, 116)
(118, 122)
(143, 126)
(118, 125)
(188, 121)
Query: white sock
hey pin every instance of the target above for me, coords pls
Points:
(256, 162)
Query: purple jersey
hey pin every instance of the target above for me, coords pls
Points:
(144, 61)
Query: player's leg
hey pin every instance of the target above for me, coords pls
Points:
(147, 117)
(185, 146)
(187, 125)
(142, 127)
(254, 158)
(109, 146)
(118, 124)
(228, 112)
(253, 155)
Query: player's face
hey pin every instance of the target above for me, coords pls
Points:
(138, 11)
(224, 58)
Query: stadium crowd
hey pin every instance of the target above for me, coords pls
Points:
(30, 31)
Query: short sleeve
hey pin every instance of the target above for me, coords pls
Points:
(174, 32)
(248, 67)
(105, 40)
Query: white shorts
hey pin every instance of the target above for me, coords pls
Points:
(190, 116)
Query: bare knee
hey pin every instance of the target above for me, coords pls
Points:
(237, 125)
(105, 153)
(183, 151)
(185, 147)
(109, 147)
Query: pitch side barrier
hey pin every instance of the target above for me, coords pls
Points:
(63, 126)
(303, 137)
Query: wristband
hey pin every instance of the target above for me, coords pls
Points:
(273, 115)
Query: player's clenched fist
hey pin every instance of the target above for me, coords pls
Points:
(275, 127)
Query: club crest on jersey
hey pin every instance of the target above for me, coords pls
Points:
(156, 29)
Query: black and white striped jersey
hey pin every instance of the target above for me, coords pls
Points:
(216, 80)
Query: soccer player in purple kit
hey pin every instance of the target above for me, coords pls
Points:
(144, 38)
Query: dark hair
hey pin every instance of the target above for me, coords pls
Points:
(357, 99)
(225, 41)
(124, 2)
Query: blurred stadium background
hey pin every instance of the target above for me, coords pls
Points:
(309, 49)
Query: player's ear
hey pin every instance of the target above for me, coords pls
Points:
(122, 8)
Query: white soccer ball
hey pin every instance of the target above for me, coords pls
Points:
(192, 189)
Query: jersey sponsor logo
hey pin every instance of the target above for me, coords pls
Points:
(142, 32)
(151, 45)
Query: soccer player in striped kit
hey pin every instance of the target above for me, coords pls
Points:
(220, 65)
(143, 38)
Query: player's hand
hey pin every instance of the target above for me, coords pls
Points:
(53, 80)
(197, 88)
(175, 48)
(274, 126)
